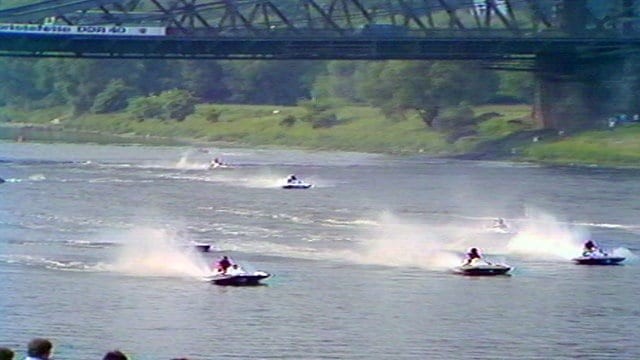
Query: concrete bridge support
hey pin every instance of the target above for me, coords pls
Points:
(572, 92)
(582, 89)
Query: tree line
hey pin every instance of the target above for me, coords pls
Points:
(142, 86)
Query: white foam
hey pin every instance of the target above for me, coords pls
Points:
(543, 236)
(402, 243)
(150, 251)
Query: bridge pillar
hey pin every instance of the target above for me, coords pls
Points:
(573, 16)
(572, 92)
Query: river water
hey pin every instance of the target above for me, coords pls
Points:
(95, 255)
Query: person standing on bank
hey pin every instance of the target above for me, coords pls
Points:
(39, 349)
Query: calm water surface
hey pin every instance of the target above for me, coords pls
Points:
(95, 254)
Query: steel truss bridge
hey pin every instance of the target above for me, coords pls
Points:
(319, 29)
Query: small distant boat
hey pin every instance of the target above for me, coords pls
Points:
(240, 279)
(499, 226)
(482, 268)
(217, 164)
(202, 247)
(297, 185)
(294, 183)
(1, 180)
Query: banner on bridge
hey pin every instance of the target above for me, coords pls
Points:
(53, 29)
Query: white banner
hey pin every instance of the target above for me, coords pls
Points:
(108, 30)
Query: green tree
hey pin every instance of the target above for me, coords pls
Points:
(516, 86)
(337, 82)
(271, 82)
(177, 104)
(205, 80)
(398, 86)
(19, 83)
(145, 108)
(113, 98)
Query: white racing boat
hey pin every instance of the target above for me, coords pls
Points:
(499, 226)
(218, 164)
(294, 183)
(239, 278)
(479, 267)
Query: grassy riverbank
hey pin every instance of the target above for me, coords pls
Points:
(357, 128)
(507, 133)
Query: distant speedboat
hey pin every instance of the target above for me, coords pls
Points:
(1, 180)
(239, 279)
(499, 226)
(202, 247)
(482, 268)
(499, 230)
(294, 183)
(218, 164)
(297, 185)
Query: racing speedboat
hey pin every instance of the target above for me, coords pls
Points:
(482, 268)
(1, 180)
(499, 230)
(499, 226)
(598, 258)
(202, 247)
(296, 185)
(239, 279)
(217, 165)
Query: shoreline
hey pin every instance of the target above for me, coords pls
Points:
(522, 150)
(43, 133)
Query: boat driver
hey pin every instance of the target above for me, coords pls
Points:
(224, 264)
(589, 248)
(471, 256)
(499, 223)
(235, 270)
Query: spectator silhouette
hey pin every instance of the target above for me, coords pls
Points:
(39, 349)
(115, 355)
(6, 353)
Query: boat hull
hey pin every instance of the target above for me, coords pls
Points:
(604, 260)
(297, 186)
(483, 270)
(202, 247)
(240, 279)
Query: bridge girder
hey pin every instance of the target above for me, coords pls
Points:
(340, 17)
(202, 27)
(248, 16)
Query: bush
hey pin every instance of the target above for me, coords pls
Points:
(324, 120)
(211, 115)
(288, 121)
(145, 108)
(178, 104)
(114, 97)
(169, 105)
(454, 117)
(313, 108)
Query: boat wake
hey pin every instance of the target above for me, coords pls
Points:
(156, 252)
